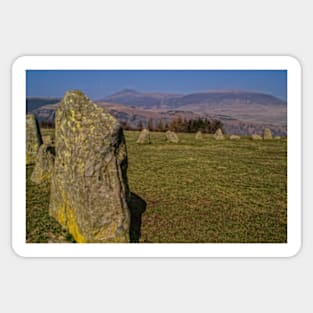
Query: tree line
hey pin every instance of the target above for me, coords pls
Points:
(204, 125)
(178, 124)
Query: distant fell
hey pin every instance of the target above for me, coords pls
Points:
(204, 99)
(33, 103)
(241, 112)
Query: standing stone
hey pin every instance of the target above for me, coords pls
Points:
(47, 139)
(198, 135)
(144, 137)
(89, 188)
(219, 134)
(43, 169)
(256, 137)
(277, 137)
(267, 134)
(171, 137)
(33, 139)
(234, 137)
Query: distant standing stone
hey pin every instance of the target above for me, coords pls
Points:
(199, 135)
(89, 189)
(234, 137)
(144, 137)
(33, 139)
(219, 134)
(267, 134)
(43, 169)
(171, 137)
(256, 137)
(277, 137)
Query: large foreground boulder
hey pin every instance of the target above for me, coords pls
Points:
(144, 137)
(219, 134)
(33, 139)
(267, 134)
(43, 169)
(89, 189)
(171, 136)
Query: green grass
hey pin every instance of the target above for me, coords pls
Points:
(40, 227)
(196, 191)
(210, 191)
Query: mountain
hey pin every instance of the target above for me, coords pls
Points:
(33, 103)
(141, 99)
(226, 105)
(241, 112)
(203, 100)
(125, 114)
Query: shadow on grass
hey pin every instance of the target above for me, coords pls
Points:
(136, 206)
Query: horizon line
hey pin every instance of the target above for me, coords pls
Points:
(226, 90)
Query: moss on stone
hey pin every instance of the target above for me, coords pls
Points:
(33, 139)
(43, 169)
(89, 188)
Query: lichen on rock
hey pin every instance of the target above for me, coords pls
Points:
(43, 169)
(33, 139)
(89, 188)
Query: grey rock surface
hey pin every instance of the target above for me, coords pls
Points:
(43, 169)
(89, 188)
(219, 134)
(234, 137)
(198, 135)
(256, 137)
(144, 137)
(171, 136)
(33, 139)
(267, 134)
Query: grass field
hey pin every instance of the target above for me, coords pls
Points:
(196, 191)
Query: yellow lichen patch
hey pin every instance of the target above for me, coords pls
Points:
(61, 215)
(72, 115)
(81, 168)
(73, 227)
(66, 216)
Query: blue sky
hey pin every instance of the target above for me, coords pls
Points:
(100, 83)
